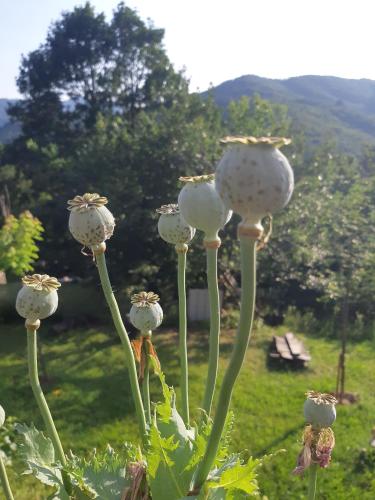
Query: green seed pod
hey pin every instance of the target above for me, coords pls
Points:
(2, 416)
(90, 222)
(253, 177)
(202, 207)
(145, 313)
(38, 297)
(172, 226)
(319, 409)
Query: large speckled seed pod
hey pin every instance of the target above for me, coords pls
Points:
(253, 177)
(2, 416)
(201, 206)
(146, 313)
(90, 222)
(319, 409)
(38, 297)
(172, 227)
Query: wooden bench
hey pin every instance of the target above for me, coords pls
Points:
(289, 349)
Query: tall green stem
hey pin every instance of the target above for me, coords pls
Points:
(5, 482)
(146, 384)
(32, 355)
(313, 472)
(121, 330)
(32, 350)
(213, 355)
(248, 273)
(181, 271)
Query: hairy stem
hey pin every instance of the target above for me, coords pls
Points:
(146, 384)
(213, 355)
(32, 355)
(313, 472)
(5, 482)
(248, 273)
(181, 271)
(121, 330)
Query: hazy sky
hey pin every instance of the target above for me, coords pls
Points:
(217, 40)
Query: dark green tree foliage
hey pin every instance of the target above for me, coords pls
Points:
(88, 66)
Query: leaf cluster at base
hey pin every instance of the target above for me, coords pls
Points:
(164, 470)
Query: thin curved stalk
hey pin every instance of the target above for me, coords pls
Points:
(181, 271)
(5, 482)
(313, 473)
(248, 273)
(146, 384)
(213, 355)
(32, 356)
(123, 334)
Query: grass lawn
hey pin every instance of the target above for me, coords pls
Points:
(90, 399)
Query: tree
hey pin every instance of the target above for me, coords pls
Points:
(18, 247)
(88, 66)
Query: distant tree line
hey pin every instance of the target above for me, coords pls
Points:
(103, 110)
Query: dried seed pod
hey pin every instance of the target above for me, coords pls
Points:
(253, 177)
(90, 222)
(2, 416)
(38, 297)
(146, 313)
(172, 226)
(319, 409)
(202, 207)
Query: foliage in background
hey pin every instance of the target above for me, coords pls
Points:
(105, 111)
(18, 243)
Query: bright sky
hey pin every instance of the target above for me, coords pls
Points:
(218, 40)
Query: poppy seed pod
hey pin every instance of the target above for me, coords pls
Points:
(202, 207)
(38, 297)
(90, 222)
(319, 409)
(253, 177)
(172, 226)
(2, 416)
(145, 313)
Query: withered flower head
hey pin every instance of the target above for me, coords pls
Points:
(41, 282)
(86, 202)
(250, 140)
(198, 178)
(170, 209)
(144, 299)
(321, 398)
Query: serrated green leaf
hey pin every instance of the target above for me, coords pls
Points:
(36, 447)
(107, 485)
(171, 448)
(163, 476)
(103, 474)
(38, 453)
(238, 477)
(160, 447)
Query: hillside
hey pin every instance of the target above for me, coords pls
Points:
(325, 107)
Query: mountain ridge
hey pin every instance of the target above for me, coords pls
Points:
(324, 107)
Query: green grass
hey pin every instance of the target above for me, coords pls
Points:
(90, 399)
